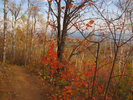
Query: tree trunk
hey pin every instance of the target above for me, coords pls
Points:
(5, 30)
(62, 37)
(59, 33)
(13, 38)
(26, 52)
(81, 61)
(46, 29)
(62, 44)
(32, 35)
(111, 55)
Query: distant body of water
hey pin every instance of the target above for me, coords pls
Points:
(97, 36)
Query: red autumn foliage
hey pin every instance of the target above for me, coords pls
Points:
(63, 7)
(70, 5)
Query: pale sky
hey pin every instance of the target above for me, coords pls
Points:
(111, 8)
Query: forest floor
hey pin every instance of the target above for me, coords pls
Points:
(18, 83)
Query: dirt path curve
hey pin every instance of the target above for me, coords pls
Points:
(24, 86)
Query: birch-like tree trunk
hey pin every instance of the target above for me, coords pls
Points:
(46, 29)
(106, 41)
(13, 29)
(5, 30)
(120, 61)
(81, 61)
(110, 48)
(15, 10)
(26, 48)
(32, 38)
(13, 39)
(121, 52)
(32, 34)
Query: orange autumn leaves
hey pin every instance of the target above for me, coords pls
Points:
(90, 23)
(70, 5)
(82, 5)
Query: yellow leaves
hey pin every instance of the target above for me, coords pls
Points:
(51, 79)
(44, 77)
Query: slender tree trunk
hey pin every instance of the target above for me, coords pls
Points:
(81, 61)
(5, 30)
(13, 37)
(59, 32)
(106, 41)
(120, 61)
(13, 32)
(123, 46)
(112, 69)
(26, 53)
(76, 64)
(105, 48)
(111, 48)
(45, 37)
(32, 36)
(46, 29)
(121, 54)
(95, 73)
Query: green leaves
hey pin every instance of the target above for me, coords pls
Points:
(82, 78)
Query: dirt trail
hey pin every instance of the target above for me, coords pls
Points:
(23, 85)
